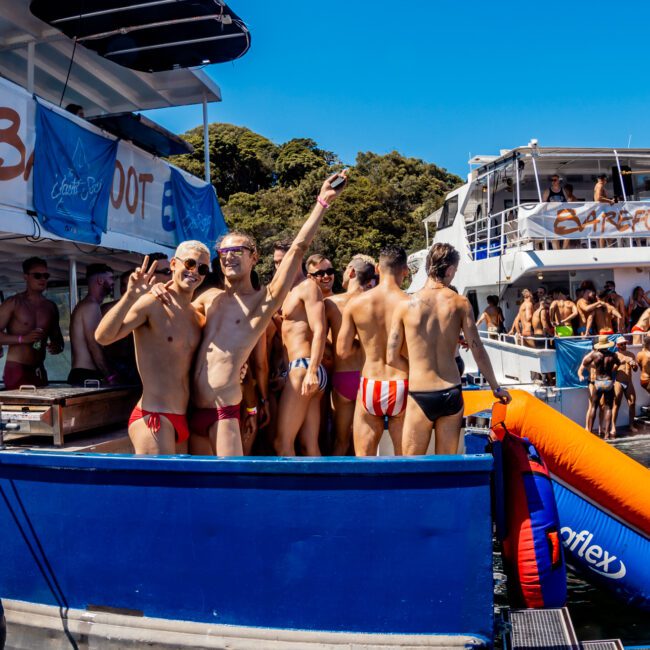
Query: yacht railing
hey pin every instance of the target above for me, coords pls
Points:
(539, 342)
(501, 232)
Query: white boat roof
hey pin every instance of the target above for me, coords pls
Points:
(568, 152)
(99, 85)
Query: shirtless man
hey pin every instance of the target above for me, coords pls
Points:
(27, 321)
(623, 385)
(88, 359)
(319, 268)
(304, 332)
(383, 385)
(236, 317)
(641, 327)
(643, 359)
(347, 372)
(523, 323)
(430, 324)
(562, 311)
(602, 364)
(166, 338)
(607, 319)
(587, 305)
(618, 302)
(542, 321)
(492, 317)
(600, 193)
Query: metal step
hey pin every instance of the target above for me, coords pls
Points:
(609, 644)
(550, 629)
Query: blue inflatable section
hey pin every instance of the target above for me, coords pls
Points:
(605, 551)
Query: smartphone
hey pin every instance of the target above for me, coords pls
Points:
(338, 181)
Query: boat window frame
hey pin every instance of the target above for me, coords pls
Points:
(447, 220)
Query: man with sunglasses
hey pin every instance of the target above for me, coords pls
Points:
(320, 269)
(28, 321)
(236, 317)
(166, 338)
(89, 362)
(304, 333)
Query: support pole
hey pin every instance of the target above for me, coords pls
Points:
(539, 189)
(31, 54)
(620, 175)
(206, 139)
(72, 281)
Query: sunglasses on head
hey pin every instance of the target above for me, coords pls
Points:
(322, 273)
(190, 265)
(39, 276)
(237, 251)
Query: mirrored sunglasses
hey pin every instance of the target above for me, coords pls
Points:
(190, 265)
(237, 251)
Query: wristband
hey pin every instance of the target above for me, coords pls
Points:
(251, 410)
(20, 339)
(323, 202)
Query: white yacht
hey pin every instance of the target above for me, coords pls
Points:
(510, 238)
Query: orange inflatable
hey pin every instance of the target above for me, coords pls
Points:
(600, 472)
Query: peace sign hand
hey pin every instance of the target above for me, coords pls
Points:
(141, 279)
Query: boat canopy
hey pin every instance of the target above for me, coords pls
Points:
(38, 57)
(151, 35)
(143, 133)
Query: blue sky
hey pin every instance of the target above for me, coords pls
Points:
(436, 79)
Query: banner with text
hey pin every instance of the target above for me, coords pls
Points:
(584, 220)
(140, 202)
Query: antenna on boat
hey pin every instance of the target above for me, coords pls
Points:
(629, 140)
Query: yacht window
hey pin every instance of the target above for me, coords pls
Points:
(449, 210)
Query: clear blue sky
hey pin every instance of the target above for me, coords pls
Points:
(437, 79)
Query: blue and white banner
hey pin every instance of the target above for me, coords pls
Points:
(196, 210)
(73, 175)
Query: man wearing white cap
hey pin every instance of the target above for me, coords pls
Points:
(602, 364)
(623, 385)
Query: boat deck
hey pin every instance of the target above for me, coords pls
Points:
(108, 441)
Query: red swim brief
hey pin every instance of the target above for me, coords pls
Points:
(19, 374)
(179, 422)
(202, 419)
(638, 330)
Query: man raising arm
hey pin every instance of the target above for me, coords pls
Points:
(236, 317)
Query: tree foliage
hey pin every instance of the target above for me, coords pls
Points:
(268, 189)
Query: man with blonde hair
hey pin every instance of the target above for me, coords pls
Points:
(166, 336)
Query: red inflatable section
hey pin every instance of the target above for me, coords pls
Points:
(579, 458)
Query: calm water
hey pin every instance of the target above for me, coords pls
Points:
(595, 614)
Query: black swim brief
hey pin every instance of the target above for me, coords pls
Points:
(439, 403)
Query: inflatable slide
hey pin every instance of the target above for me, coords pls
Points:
(603, 496)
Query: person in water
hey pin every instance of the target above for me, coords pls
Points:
(28, 320)
(603, 365)
(429, 323)
(236, 317)
(166, 338)
(382, 392)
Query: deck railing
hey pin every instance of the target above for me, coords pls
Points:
(539, 342)
(501, 232)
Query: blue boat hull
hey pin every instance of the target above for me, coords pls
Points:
(384, 545)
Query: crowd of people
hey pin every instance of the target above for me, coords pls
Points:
(229, 366)
(542, 316)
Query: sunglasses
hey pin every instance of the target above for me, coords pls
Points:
(190, 265)
(322, 273)
(163, 272)
(237, 251)
(40, 276)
